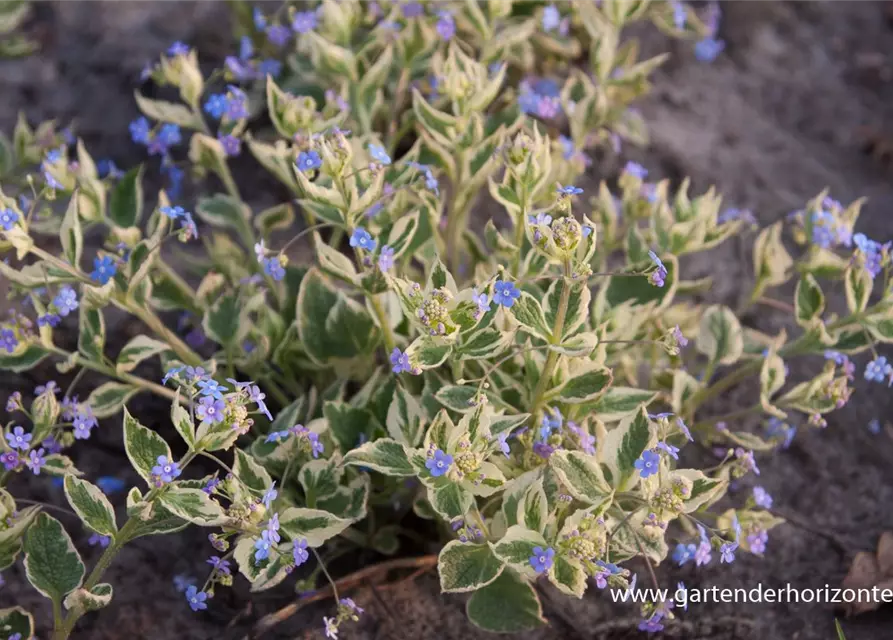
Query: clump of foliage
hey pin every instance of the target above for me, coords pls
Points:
(525, 385)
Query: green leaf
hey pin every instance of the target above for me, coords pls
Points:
(585, 387)
(451, 500)
(401, 234)
(226, 321)
(516, 548)
(108, 399)
(275, 218)
(568, 576)
(182, 421)
(347, 423)
(427, 352)
(509, 604)
(192, 505)
(139, 349)
(27, 359)
(174, 113)
(16, 620)
(619, 402)
(314, 525)
(333, 261)
(483, 344)
(533, 508)
(224, 212)
(52, 564)
(70, 233)
(91, 505)
(720, 337)
(81, 601)
(809, 301)
(126, 200)
(251, 473)
(405, 417)
(20, 523)
(143, 447)
(625, 444)
(858, 288)
(466, 567)
(529, 314)
(581, 474)
(91, 339)
(320, 479)
(839, 629)
(383, 455)
(331, 326)
(577, 308)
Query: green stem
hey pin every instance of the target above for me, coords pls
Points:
(380, 313)
(519, 234)
(545, 380)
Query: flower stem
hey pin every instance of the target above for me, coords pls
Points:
(545, 380)
(390, 342)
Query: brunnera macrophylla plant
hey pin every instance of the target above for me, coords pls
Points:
(526, 386)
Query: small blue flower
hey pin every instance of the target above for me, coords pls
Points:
(636, 170)
(139, 131)
(236, 104)
(308, 161)
(503, 444)
(684, 429)
(446, 26)
(66, 300)
(210, 387)
(277, 436)
(35, 461)
(260, 21)
(104, 269)
(262, 546)
(300, 553)
(542, 559)
(304, 21)
(273, 268)
(672, 451)
(400, 362)
(278, 35)
(727, 552)
(878, 369)
(166, 470)
(874, 426)
(220, 565)
(708, 49)
(680, 14)
(18, 439)
(386, 258)
(196, 599)
(659, 275)
(379, 154)
(210, 409)
(173, 212)
(647, 464)
(269, 495)
(684, 553)
(8, 340)
(505, 293)
(83, 422)
(761, 498)
(8, 219)
(110, 484)
(482, 301)
(272, 529)
(215, 105)
(270, 67)
(551, 18)
(178, 49)
(540, 218)
(361, 239)
(569, 190)
(439, 464)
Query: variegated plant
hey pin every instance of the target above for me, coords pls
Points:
(517, 373)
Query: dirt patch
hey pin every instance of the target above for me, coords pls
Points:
(775, 119)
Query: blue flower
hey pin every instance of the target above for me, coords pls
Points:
(551, 18)
(215, 105)
(482, 301)
(139, 131)
(210, 409)
(104, 269)
(680, 14)
(270, 67)
(761, 498)
(647, 464)
(304, 21)
(220, 565)
(727, 552)
(273, 268)
(308, 160)
(540, 218)
(278, 35)
(439, 464)
(66, 300)
(236, 104)
(173, 212)
(102, 541)
(211, 387)
(684, 553)
(636, 170)
(379, 154)
(672, 451)
(542, 559)
(277, 436)
(684, 429)
(659, 275)
(505, 293)
(708, 49)
(48, 320)
(18, 439)
(502, 439)
(35, 461)
(167, 136)
(386, 258)
(446, 26)
(178, 49)
(570, 190)
(260, 21)
(262, 546)
(299, 552)
(83, 422)
(272, 529)
(878, 369)
(196, 599)
(8, 340)
(400, 362)
(874, 426)
(166, 470)
(360, 238)
(8, 219)
(269, 495)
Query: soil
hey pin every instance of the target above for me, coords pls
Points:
(770, 123)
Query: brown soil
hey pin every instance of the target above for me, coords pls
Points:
(774, 120)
